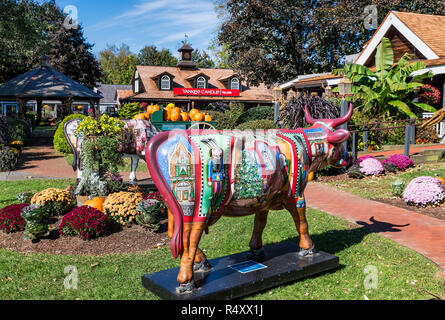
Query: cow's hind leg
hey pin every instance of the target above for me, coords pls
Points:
(256, 242)
(201, 264)
(191, 236)
(298, 211)
(134, 165)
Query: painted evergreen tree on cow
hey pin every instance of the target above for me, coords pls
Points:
(206, 174)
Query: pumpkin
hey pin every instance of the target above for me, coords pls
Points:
(198, 116)
(147, 116)
(207, 118)
(170, 105)
(97, 203)
(175, 115)
(193, 112)
(139, 116)
(155, 108)
(185, 116)
(150, 109)
(167, 114)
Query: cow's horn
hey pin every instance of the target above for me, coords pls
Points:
(308, 116)
(339, 121)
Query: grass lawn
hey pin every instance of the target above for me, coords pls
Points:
(380, 187)
(402, 273)
(10, 189)
(142, 167)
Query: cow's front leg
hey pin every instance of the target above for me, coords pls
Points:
(134, 166)
(298, 211)
(191, 236)
(256, 242)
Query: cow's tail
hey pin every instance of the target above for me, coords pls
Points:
(176, 245)
(67, 137)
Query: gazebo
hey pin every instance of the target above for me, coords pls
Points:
(46, 83)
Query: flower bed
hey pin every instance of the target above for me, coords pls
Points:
(57, 202)
(371, 166)
(11, 219)
(84, 222)
(122, 206)
(424, 191)
(401, 162)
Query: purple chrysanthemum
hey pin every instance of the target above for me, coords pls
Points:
(400, 161)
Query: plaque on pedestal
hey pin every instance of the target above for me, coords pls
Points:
(236, 275)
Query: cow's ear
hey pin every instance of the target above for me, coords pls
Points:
(338, 136)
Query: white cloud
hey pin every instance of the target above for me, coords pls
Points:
(162, 22)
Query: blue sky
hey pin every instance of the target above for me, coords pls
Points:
(138, 23)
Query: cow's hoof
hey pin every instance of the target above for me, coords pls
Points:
(203, 266)
(185, 288)
(308, 252)
(256, 254)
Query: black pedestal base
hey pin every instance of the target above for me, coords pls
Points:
(237, 276)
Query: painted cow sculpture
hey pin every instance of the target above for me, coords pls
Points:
(135, 136)
(205, 174)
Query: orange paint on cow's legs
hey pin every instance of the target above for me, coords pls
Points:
(191, 236)
(171, 224)
(299, 216)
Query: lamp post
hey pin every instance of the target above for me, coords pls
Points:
(344, 89)
(276, 92)
(328, 91)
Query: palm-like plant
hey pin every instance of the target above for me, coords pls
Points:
(387, 90)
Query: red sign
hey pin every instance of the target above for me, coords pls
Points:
(205, 92)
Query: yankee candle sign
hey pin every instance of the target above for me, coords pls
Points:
(205, 92)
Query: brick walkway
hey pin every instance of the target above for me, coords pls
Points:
(422, 233)
(40, 160)
(412, 151)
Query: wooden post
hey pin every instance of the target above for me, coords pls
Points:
(354, 146)
(407, 140)
(365, 137)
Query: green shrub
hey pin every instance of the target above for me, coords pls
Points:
(59, 141)
(257, 113)
(228, 119)
(22, 130)
(129, 110)
(7, 133)
(8, 159)
(257, 125)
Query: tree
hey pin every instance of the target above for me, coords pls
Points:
(118, 64)
(273, 41)
(150, 56)
(30, 29)
(388, 90)
(202, 59)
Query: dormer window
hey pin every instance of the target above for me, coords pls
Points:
(234, 84)
(201, 83)
(136, 82)
(165, 83)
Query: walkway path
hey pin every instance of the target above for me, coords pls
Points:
(41, 161)
(422, 233)
(412, 150)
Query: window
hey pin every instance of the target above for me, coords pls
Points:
(136, 82)
(234, 84)
(201, 83)
(165, 83)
